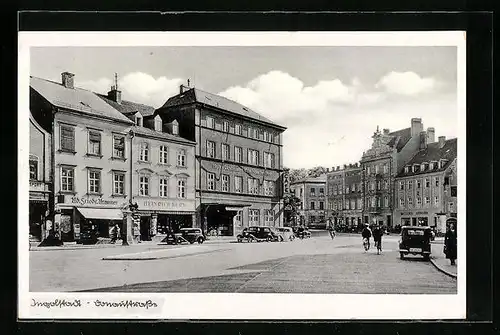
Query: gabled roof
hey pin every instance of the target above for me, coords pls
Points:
(400, 138)
(128, 107)
(166, 136)
(217, 101)
(77, 99)
(433, 153)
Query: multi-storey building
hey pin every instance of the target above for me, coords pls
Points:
(426, 186)
(380, 164)
(89, 155)
(345, 194)
(40, 180)
(239, 160)
(162, 170)
(312, 193)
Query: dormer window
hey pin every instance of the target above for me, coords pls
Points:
(422, 167)
(442, 163)
(158, 123)
(138, 120)
(175, 129)
(415, 168)
(432, 166)
(407, 169)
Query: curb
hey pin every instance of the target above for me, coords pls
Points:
(442, 270)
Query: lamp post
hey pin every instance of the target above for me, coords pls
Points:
(128, 219)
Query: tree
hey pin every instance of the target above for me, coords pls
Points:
(297, 174)
(292, 205)
(317, 171)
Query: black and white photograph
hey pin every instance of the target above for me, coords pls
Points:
(242, 175)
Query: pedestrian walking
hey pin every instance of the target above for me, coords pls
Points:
(450, 243)
(331, 228)
(114, 233)
(366, 234)
(377, 238)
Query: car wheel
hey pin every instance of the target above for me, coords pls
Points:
(179, 241)
(269, 239)
(426, 257)
(239, 239)
(401, 255)
(281, 239)
(200, 240)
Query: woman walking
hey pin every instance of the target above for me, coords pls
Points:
(450, 243)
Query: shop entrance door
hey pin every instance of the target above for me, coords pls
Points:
(144, 228)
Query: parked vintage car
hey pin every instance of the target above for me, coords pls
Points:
(302, 232)
(284, 234)
(416, 241)
(186, 235)
(257, 234)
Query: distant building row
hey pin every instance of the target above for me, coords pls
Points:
(200, 160)
(405, 178)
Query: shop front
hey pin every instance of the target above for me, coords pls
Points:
(159, 216)
(225, 219)
(38, 210)
(415, 218)
(85, 219)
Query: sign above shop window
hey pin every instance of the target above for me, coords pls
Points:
(88, 200)
(166, 205)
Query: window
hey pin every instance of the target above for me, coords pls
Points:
(378, 185)
(301, 192)
(378, 202)
(376, 169)
(268, 187)
(118, 183)
(419, 201)
(237, 218)
(312, 205)
(334, 206)
(347, 190)
(374, 202)
(138, 121)
(431, 166)
(253, 157)
(436, 181)
(419, 183)
(94, 147)
(401, 203)
(181, 188)
(163, 154)
(360, 203)
(386, 201)
(250, 132)
(268, 137)
(225, 183)
(158, 123)
(410, 184)
(427, 201)
(225, 151)
(175, 128)
(33, 169)
(268, 159)
(269, 217)
(386, 184)
(410, 201)
(422, 167)
(271, 137)
(335, 190)
(321, 205)
(313, 192)
(237, 129)
(225, 126)
(210, 149)
(144, 185)
(210, 122)
(253, 217)
(181, 157)
(453, 191)
(67, 179)
(238, 154)
(210, 181)
(451, 206)
(94, 181)
(321, 192)
(372, 186)
(401, 185)
(144, 152)
(118, 146)
(427, 182)
(253, 186)
(368, 170)
(407, 169)
(256, 134)
(386, 168)
(436, 201)
(415, 168)
(67, 138)
(238, 184)
(163, 186)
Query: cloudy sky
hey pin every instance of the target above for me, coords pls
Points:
(330, 98)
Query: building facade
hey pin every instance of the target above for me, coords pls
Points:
(345, 195)
(40, 180)
(239, 161)
(426, 186)
(162, 173)
(381, 163)
(89, 152)
(312, 193)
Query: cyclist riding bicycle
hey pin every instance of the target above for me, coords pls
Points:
(366, 234)
(377, 238)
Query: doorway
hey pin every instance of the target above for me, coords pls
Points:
(144, 228)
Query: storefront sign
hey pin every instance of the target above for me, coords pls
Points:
(39, 196)
(37, 186)
(166, 205)
(422, 213)
(406, 213)
(92, 201)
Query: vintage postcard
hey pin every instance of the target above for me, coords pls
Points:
(270, 175)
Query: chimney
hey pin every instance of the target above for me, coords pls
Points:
(115, 95)
(184, 88)
(386, 131)
(423, 140)
(338, 167)
(416, 126)
(431, 135)
(67, 79)
(345, 166)
(442, 141)
(327, 169)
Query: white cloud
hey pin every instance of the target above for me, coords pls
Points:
(138, 87)
(406, 83)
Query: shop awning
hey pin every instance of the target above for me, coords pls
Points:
(101, 213)
(236, 207)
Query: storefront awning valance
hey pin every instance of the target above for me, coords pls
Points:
(101, 213)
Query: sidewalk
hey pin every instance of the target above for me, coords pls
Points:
(439, 260)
